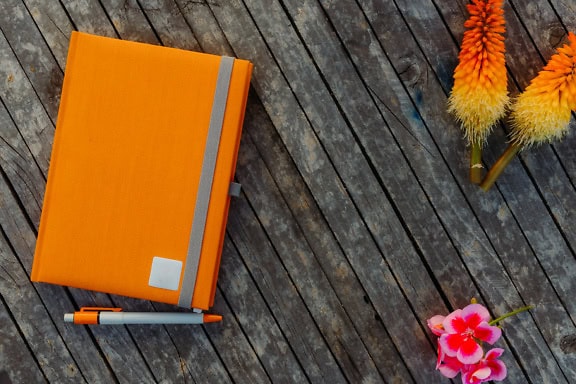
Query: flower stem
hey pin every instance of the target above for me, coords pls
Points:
(515, 312)
(499, 166)
(476, 163)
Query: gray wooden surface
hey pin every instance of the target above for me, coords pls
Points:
(356, 222)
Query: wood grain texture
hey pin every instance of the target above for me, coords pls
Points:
(304, 269)
(34, 57)
(18, 362)
(24, 107)
(257, 321)
(356, 222)
(323, 243)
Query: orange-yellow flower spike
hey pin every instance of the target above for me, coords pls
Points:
(542, 112)
(480, 93)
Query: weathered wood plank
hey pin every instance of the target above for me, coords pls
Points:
(169, 24)
(53, 299)
(281, 295)
(436, 247)
(35, 323)
(24, 106)
(54, 25)
(320, 238)
(204, 26)
(526, 273)
(256, 319)
(241, 361)
(129, 20)
(33, 55)
(17, 163)
(18, 364)
(123, 349)
(89, 16)
(565, 10)
(304, 268)
(173, 353)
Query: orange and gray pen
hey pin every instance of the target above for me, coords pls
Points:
(116, 316)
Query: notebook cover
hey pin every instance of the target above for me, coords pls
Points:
(125, 168)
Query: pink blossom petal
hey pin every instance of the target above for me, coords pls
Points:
(476, 375)
(448, 371)
(476, 312)
(487, 333)
(440, 355)
(469, 352)
(435, 324)
(453, 323)
(494, 353)
(450, 367)
(450, 342)
(498, 369)
(482, 373)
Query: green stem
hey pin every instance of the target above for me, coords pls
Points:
(499, 166)
(523, 309)
(476, 163)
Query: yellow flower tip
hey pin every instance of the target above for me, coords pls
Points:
(538, 119)
(477, 111)
(542, 112)
(479, 96)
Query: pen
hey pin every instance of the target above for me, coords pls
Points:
(96, 315)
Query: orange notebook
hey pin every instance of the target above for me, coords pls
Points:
(141, 171)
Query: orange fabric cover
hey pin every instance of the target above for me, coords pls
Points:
(125, 167)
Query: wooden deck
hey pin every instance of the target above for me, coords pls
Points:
(357, 221)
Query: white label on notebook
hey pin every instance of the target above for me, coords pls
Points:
(165, 273)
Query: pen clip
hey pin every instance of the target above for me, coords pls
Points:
(99, 309)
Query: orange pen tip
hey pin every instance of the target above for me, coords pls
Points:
(212, 318)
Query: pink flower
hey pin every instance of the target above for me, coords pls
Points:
(488, 368)
(435, 324)
(450, 367)
(463, 328)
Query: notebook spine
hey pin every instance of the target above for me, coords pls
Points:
(36, 274)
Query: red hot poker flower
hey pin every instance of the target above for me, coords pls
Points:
(542, 112)
(479, 96)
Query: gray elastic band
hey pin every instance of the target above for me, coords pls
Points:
(235, 189)
(205, 185)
